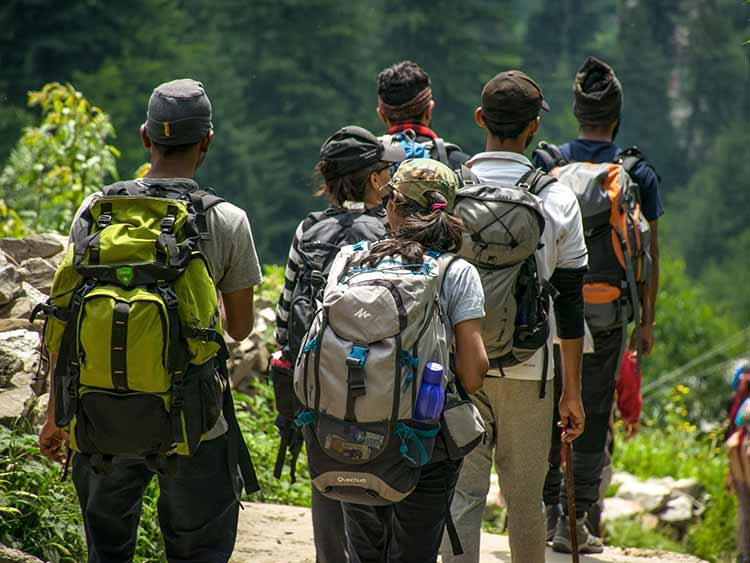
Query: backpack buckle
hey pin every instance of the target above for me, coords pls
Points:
(104, 220)
(357, 357)
(167, 224)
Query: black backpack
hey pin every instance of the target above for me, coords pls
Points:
(324, 233)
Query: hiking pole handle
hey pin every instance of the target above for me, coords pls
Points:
(572, 520)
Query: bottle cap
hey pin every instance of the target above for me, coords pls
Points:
(433, 373)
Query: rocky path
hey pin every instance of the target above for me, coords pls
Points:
(271, 533)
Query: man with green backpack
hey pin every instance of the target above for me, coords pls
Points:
(135, 334)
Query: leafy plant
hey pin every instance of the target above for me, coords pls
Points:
(256, 415)
(56, 164)
(675, 447)
(38, 513)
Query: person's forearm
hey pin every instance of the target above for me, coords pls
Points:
(572, 352)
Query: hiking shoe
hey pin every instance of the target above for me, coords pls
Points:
(587, 543)
(553, 512)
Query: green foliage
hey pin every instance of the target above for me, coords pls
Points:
(629, 533)
(38, 513)
(256, 415)
(688, 327)
(674, 447)
(55, 165)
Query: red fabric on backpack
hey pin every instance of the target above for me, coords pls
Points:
(629, 398)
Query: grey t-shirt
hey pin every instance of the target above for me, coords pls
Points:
(461, 296)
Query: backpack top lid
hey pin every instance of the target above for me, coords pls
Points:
(503, 223)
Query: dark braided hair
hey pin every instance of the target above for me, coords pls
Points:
(420, 230)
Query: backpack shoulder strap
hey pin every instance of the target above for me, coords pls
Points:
(442, 151)
(464, 176)
(632, 157)
(536, 180)
(207, 198)
(550, 155)
(317, 216)
(445, 261)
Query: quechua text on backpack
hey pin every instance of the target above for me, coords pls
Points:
(134, 318)
(359, 374)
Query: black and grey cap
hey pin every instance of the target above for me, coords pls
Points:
(353, 148)
(179, 113)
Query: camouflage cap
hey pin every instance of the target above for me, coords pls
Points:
(417, 176)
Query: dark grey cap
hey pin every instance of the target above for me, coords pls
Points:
(179, 113)
(597, 93)
(352, 148)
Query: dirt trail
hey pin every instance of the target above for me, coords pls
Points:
(270, 533)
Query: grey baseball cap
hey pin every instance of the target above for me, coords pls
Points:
(179, 113)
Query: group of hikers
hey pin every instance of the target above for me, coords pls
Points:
(443, 314)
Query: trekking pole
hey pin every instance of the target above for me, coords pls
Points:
(572, 521)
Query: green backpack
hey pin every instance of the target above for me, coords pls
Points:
(134, 318)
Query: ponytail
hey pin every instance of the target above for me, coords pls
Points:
(420, 230)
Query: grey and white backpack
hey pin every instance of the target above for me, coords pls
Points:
(504, 225)
(359, 373)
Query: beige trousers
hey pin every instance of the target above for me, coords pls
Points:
(519, 426)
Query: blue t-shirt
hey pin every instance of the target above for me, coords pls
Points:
(583, 150)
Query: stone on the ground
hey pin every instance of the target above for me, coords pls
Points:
(8, 555)
(35, 410)
(39, 273)
(20, 324)
(10, 284)
(652, 496)
(679, 511)
(19, 353)
(692, 487)
(34, 246)
(616, 508)
(13, 400)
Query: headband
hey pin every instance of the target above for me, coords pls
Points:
(408, 110)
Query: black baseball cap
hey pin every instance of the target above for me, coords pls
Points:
(512, 97)
(179, 113)
(352, 148)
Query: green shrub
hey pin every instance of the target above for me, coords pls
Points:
(56, 164)
(674, 447)
(38, 513)
(256, 415)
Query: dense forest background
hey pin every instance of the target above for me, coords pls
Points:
(285, 74)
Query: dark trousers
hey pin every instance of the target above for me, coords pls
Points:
(409, 531)
(328, 529)
(600, 371)
(198, 507)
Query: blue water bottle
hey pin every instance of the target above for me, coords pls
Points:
(431, 395)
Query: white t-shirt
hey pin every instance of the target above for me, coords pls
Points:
(563, 245)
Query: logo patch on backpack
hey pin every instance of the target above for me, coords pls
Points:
(362, 314)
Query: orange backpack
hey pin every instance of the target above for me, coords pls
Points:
(617, 235)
